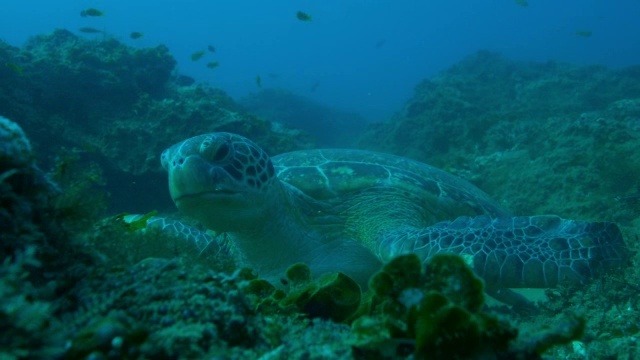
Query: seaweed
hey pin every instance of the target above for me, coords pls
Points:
(435, 311)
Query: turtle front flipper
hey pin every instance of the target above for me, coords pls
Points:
(515, 252)
(201, 239)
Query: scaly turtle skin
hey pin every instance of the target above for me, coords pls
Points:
(351, 210)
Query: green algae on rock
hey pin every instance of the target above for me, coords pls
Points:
(435, 312)
(333, 296)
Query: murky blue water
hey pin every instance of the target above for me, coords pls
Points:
(363, 56)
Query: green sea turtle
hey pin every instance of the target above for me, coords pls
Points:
(351, 210)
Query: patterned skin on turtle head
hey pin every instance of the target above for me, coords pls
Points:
(213, 172)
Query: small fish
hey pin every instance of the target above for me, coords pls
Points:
(136, 222)
(15, 68)
(211, 48)
(198, 55)
(523, 3)
(91, 12)
(380, 43)
(89, 30)
(213, 64)
(136, 35)
(303, 16)
(259, 81)
(584, 33)
(314, 87)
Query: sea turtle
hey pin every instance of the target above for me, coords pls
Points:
(351, 210)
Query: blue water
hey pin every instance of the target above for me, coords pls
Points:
(359, 55)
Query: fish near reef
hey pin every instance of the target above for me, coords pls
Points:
(584, 33)
(523, 3)
(213, 64)
(198, 55)
(89, 30)
(302, 16)
(136, 35)
(211, 48)
(258, 81)
(93, 12)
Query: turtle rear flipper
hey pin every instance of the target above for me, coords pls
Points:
(524, 251)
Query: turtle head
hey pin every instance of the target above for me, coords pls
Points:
(223, 180)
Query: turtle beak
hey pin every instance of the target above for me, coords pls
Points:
(193, 176)
(208, 194)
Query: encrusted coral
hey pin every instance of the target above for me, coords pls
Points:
(28, 329)
(15, 148)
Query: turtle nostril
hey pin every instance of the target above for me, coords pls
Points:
(178, 162)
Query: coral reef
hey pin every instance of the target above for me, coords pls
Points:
(82, 81)
(118, 106)
(15, 148)
(161, 308)
(105, 303)
(34, 246)
(540, 137)
(25, 191)
(77, 284)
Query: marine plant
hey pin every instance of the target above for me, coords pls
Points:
(83, 200)
(333, 296)
(435, 311)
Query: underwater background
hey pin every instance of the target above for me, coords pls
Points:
(362, 56)
(537, 103)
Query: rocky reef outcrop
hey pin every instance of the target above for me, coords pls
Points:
(119, 106)
(75, 283)
(540, 137)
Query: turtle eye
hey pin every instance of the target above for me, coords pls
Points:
(222, 152)
(216, 150)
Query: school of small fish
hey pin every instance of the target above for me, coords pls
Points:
(197, 55)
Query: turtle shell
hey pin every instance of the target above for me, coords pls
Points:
(359, 178)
